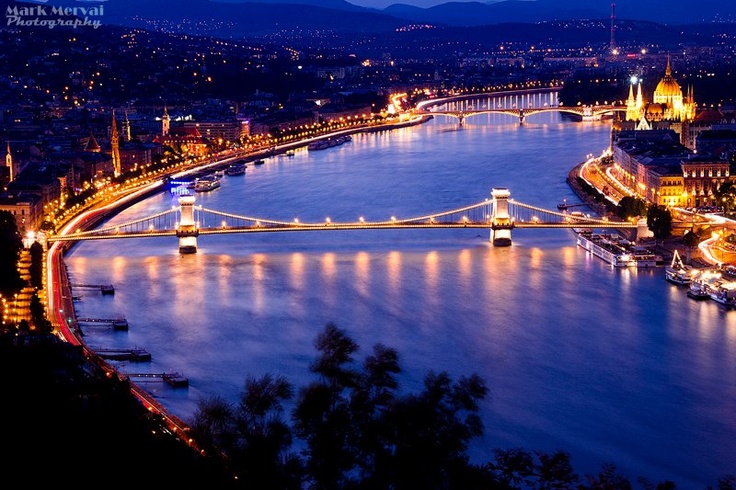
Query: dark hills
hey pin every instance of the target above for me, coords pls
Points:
(265, 16)
(465, 26)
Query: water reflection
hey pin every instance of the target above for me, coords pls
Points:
(609, 365)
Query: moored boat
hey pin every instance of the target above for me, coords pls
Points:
(703, 281)
(677, 272)
(236, 168)
(606, 247)
(206, 184)
(697, 291)
(329, 142)
(724, 293)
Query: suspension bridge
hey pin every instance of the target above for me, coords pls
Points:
(499, 214)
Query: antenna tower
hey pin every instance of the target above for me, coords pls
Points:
(612, 45)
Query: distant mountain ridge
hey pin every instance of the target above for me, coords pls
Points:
(263, 15)
(261, 19)
(661, 11)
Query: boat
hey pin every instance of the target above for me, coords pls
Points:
(318, 145)
(703, 282)
(723, 292)
(329, 142)
(236, 168)
(206, 184)
(645, 257)
(290, 153)
(260, 161)
(607, 247)
(677, 272)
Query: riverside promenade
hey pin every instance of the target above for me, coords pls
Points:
(666, 248)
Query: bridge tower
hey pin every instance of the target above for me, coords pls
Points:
(521, 116)
(501, 224)
(187, 230)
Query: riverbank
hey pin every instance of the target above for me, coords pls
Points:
(666, 248)
(59, 295)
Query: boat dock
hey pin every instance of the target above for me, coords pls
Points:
(134, 355)
(174, 379)
(104, 288)
(563, 205)
(119, 323)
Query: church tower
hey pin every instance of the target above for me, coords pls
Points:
(115, 146)
(126, 128)
(165, 123)
(9, 163)
(631, 113)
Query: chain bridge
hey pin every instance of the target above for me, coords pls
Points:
(520, 105)
(499, 214)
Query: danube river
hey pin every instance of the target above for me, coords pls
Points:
(612, 366)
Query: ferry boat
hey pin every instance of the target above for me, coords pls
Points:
(236, 168)
(646, 258)
(677, 272)
(607, 247)
(206, 184)
(697, 291)
(703, 282)
(260, 161)
(723, 292)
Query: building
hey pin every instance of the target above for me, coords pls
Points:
(185, 140)
(26, 208)
(668, 102)
(702, 176)
(223, 132)
(663, 171)
(135, 155)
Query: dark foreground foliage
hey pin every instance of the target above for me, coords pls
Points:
(358, 431)
(61, 422)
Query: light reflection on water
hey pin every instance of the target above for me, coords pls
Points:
(612, 366)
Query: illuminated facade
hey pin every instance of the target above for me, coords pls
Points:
(9, 163)
(115, 147)
(668, 102)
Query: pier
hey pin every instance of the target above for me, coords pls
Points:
(104, 288)
(173, 379)
(563, 205)
(133, 355)
(119, 323)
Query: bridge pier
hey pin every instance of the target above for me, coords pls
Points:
(187, 230)
(588, 113)
(501, 224)
(521, 117)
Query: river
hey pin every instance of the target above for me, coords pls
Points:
(612, 366)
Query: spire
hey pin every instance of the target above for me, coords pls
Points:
(165, 123)
(639, 98)
(115, 146)
(632, 113)
(9, 162)
(126, 128)
(668, 71)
